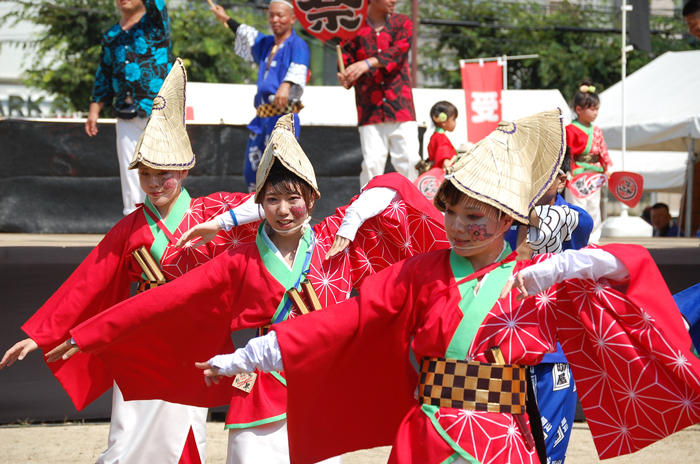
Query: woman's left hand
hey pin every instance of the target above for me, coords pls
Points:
(63, 351)
(211, 374)
(517, 281)
(339, 244)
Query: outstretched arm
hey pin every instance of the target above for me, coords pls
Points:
(18, 352)
(370, 203)
(590, 263)
(261, 353)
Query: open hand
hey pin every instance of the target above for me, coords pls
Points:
(63, 351)
(18, 352)
(207, 231)
(339, 244)
(211, 374)
(517, 281)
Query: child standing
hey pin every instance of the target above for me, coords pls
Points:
(590, 154)
(440, 150)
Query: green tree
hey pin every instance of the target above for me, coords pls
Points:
(566, 57)
(65, 54)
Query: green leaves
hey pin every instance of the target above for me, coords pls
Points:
(566, 56)
(64, 57)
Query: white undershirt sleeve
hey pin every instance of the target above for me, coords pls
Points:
(243, 214)
(296, 74)
(594, 264)
(261, 353)
(370, 203)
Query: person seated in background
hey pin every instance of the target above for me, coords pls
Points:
(663, 223)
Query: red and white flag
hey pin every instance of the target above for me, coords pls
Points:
(482, 84)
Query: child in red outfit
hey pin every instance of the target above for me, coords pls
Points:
(440, 149)
(590, 154)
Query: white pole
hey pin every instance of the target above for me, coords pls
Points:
(625, 48)
(505, 72)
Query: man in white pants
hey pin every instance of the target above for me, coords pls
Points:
(135, 59)
(377, 65)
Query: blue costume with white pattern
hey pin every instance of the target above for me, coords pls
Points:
(554, 385)
(290, 63)
(135, 61)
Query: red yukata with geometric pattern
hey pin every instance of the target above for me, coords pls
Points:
(104, 279)
(627, 346)
(151, 342)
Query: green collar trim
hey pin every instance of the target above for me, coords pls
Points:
(172, 222)
(588, 131)
(439, 130)
(276, 267)
(475, 308)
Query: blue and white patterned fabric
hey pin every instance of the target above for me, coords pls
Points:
(553, 383)
(289, 64)
(135, 61)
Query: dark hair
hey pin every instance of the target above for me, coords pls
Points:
(281, 181)
(660, 206)
(584, 99)
(566, 162)
(443, 107)
(692, 7)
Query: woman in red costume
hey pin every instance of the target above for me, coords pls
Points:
(143, 431)
(473, 334)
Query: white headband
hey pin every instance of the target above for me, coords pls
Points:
(284, 2)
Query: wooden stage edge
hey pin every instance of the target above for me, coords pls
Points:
(85, 240)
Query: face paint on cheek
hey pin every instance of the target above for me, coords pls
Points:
(170, 184)
(478, 232)
(299, 212)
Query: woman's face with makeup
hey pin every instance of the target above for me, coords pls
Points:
(162, 187)
(471, 230)
(285, 211)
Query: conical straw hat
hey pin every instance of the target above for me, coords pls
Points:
(284, 148)
(164, 143)
(513, 166)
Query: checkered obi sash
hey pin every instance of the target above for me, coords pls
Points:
(472, 385)
(144, 285)
(587, 158)
(270, 109)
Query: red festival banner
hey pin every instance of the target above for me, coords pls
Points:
(331, 20)
(482, 83)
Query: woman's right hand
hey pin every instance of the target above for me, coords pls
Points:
(207, 231)
(18, 352)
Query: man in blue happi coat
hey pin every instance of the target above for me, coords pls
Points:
(283, 60)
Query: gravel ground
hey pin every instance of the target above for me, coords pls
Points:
(82, 443)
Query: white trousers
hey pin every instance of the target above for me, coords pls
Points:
(128, 133)
(397, 139)
(151, 431)
(266, 443)
(592, 206)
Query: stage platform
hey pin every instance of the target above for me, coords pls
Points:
(33, 266)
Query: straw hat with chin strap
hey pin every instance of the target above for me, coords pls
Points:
(164, 143)
(284, 149)
(513, 166)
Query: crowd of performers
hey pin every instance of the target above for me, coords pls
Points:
(493, 286)
(329, 374)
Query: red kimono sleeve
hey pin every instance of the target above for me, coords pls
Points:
(100, 281)
(150, 342)
(409, 226)
(361, 382)
(630, 354)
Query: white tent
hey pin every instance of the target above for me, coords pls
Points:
(335, 106)
(662, 113)
(663, 105)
